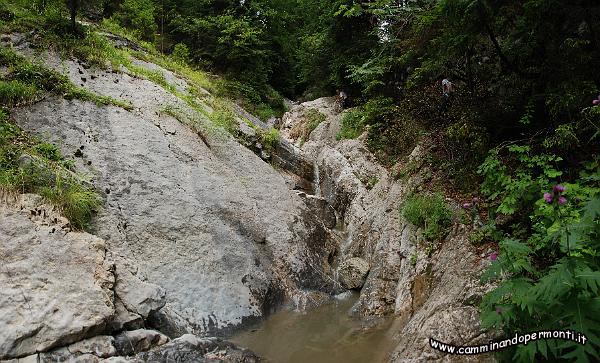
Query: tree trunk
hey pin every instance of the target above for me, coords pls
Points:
(73, 5)
(503, 59)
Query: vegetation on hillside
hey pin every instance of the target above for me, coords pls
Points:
(29, 165)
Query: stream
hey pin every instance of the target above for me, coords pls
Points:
(325, 333)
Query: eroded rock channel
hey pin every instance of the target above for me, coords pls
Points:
(200, 237)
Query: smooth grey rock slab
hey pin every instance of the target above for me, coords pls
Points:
(55, 285)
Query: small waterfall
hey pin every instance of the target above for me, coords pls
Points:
(317, 181)
(300, 301)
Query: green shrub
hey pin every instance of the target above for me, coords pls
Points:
(181, 53)
(430, 212)
(352, 125)
(373, 112)
(138, 15)
(270, 139)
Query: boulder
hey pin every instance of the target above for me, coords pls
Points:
(56, 285)
(353, 273)
(101, 346)
(125, 319)
(191, 349)
(136, 341)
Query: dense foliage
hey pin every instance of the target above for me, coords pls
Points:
(547, 267)
(521, 126)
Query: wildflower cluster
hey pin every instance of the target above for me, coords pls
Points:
(556, 195)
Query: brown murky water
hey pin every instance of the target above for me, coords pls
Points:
(321, 334)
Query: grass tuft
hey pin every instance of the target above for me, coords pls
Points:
(430, 212)
(28, 165)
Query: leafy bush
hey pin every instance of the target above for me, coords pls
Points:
(550, 278)
(270, 139)
(352, 125)
(181, 53)
(517, 188)
(430, 212)
(374, 112)
(138, 15)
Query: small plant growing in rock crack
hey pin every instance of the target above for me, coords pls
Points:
(302, 130)
(413, 259)
(430, 212)
(370, 182)
(270, 139)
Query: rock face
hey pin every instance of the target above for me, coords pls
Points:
(216, 228)
(191, 349)
(56, 285)
(429, 289)
(59, 290)
(353, 273)
(137, 341)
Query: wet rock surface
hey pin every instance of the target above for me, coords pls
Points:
(353, 273)
(192, 349)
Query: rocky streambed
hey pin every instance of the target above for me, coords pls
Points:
(200, 237)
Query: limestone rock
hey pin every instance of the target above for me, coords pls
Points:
(194, 219)
(431, 292)
(125, 319)
(353, 273)
(321, 208)
(101, 346)
(64, 355)
(135, 341)
(191, 349)
(56, 285)
(137, 296)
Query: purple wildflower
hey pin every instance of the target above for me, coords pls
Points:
(562, 200)
(467, 205)
(558, 188)
(596, 102)
(548, 197)
(494, 256)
